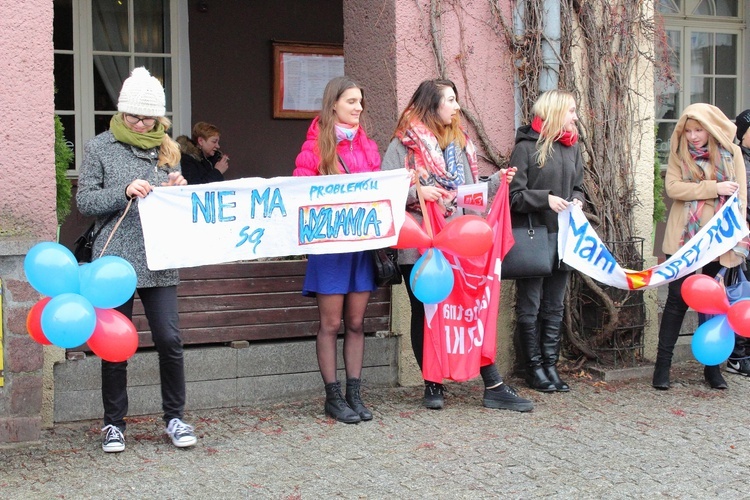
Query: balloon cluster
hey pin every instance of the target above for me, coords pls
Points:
(79, 302)
(432, 277)
(713, 341)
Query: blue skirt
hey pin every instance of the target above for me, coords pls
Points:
(339, 273)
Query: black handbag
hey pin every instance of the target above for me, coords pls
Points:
(83, 247)
(387, 272)
(533, 254)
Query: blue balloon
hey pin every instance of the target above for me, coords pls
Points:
(713, 341)
(51, 269)
(108, 282)
(431, 278)
(68, 320)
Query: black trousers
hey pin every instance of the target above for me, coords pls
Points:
(160, 305)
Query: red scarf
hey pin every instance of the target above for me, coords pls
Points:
(566, 138)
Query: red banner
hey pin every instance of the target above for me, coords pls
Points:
(460, 332)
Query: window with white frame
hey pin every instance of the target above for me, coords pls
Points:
(97, 43)
(702, 47)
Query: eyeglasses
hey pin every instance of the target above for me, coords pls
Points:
(148, 121)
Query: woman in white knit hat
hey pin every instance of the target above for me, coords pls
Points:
(120, 165)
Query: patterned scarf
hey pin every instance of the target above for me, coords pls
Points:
(146, 140)
(724, 171)
(433, 165)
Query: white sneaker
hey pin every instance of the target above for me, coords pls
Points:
(181, 433)
(113, 441)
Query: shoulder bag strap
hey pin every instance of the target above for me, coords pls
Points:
(343, 163)
(127, 207)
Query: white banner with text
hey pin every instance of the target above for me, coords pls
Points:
(245, 219)
(580, 247)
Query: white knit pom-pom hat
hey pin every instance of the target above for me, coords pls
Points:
(142, 94)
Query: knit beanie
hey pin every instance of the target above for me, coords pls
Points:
(743, 122)
(142, 94)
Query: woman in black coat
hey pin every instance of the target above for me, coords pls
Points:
(549, 178)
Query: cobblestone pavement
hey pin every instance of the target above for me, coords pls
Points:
(601, 440)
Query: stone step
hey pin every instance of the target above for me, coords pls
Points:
(219, 377)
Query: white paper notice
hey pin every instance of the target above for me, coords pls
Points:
(305, 78)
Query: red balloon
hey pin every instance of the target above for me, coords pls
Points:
(34, 322)
(705, 294)
(739, 317)
(465, 236)
(115, 338)
(412, 235)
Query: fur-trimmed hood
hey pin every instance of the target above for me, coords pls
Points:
(188, 147)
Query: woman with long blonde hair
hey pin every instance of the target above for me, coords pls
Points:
(549, 178)
(705, 167)
(119, 165)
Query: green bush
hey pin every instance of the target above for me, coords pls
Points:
(660, 209)
(63, 158)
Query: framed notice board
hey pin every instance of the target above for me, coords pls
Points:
(300, 73)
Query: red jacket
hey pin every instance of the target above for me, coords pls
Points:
(360, 155)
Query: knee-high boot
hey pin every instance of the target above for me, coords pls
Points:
(669, 331)
(551, 338)
(528, 334)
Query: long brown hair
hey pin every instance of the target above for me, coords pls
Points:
(329, 164)
(423, 106)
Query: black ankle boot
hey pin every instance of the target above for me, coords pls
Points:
(536, 378)
(551, 336)
(354, 399)
(336, 406)
(713, 377)
(554, 377)
(661, 375)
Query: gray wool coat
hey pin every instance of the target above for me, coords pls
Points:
(107, 169)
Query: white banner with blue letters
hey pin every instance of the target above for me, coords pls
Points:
(580, 247)
(244, 219)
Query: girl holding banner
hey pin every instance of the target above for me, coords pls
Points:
(705, 167)
(342, 283)
(549, 178)
(121, 164)
(429, 141)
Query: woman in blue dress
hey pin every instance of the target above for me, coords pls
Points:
(341, 283)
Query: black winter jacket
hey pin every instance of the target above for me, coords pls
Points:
(562, 175)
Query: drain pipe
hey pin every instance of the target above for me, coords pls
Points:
(551, 33)
(519, 29)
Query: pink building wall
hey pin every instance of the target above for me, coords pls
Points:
(27, 204)
(27, 163)
(387, 46)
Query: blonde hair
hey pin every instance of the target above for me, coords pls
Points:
(424, 105)
(169, 151)
(329, 163)
(552, 107)
(683, 152)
